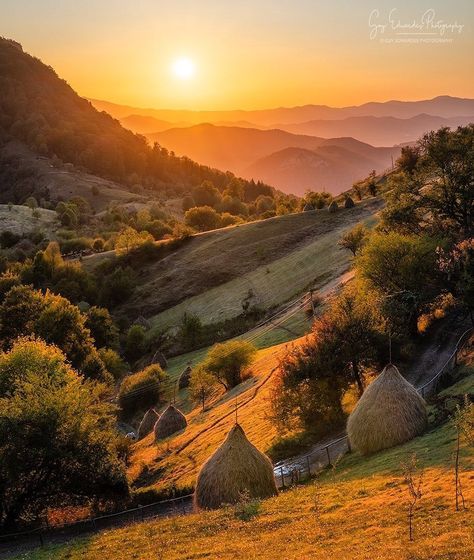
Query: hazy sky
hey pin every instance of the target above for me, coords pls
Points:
(249, 53)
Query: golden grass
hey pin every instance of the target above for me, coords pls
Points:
(178, 460)
(357, 512)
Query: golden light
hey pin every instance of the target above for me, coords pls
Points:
(183, 68)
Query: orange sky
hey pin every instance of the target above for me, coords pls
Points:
(247, 54)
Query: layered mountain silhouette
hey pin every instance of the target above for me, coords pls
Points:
(294, 162)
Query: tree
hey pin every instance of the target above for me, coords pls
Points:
(354, 239)
(202, 218)
(51, 317)
(358, 190)
(371, 183)
(447, 158)
(65, 418)
(228, 361)
(190, 330)
(264, 204)
(202, 385)
(437, 195)
(402, 270)
(409, 158)
(129, 239)
(113, 362)
(32, 203)
(142, 389)
(102, 327)
(117, 286)
(135, 345)
(206, 194)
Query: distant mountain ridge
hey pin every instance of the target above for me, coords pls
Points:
(442, 106)
(294, 162)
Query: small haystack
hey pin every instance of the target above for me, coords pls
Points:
(308, 207)
(147, 423)
(160, 359)
(389, 412)
(185, 378)
(349, 202)
(333, 207)
(236, 467)
(170, 421)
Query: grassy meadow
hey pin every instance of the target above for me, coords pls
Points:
(356, 510)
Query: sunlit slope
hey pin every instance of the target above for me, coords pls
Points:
(269, 261)
(355, 511)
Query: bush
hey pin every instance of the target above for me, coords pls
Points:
(113, 362)
(229, 360)
(202, 218)
(102, 327)
(141, 390)
(117, 286)
(65, 418)
(75, 245)
(135, 345)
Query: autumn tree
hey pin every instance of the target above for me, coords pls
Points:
(202, 218)
(202, 385)
(228, 361)
(66, 417)
(354, 239)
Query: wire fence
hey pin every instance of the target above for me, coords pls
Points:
(287, 473)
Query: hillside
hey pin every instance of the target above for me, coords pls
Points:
(211, 274)
(356, 510)
(293, 162)
(39, 109)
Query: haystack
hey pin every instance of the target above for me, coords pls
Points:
(349, 202)
(147, 423)
(333, 207)
(236, 467)
(170, 421)
(389, 412)
(185, 378)
(160, 359)
(308, 207)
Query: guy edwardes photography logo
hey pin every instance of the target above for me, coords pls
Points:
(425, 27)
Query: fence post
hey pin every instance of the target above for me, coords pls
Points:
(349, 449)
(456, 357)
(329, 456)
(40, 534)
(308, 464)
(183, 507)
(282, 477)
(141, 512)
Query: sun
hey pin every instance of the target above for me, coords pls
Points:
(183, 68)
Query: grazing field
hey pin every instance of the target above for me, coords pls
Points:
(19, 220)
(357, 510)
(175, 462)
(213, 274)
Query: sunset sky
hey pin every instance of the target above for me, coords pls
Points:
(214, 54)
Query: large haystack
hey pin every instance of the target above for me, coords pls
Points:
(170, 421)
(308, 207)
(147, 423)
(333, 207)
(236, 467)
(185, 378)
(389, 412)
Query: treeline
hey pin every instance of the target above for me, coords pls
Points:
(416, 266)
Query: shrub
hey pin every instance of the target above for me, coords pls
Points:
(66, 417)
(142, 390)
(102, 327)
(113, 362)
(135, 345)
(229, 360)
(117, 286)
(202, 218)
